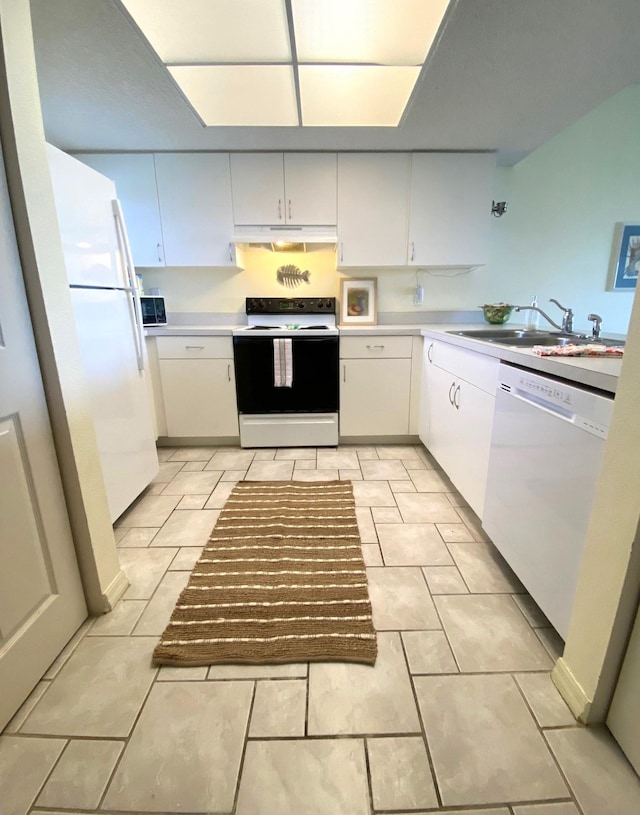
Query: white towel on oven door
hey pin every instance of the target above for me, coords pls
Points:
(282, 363)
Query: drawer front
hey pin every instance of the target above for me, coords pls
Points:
(195, 347)
(379, 346)
(478, 369)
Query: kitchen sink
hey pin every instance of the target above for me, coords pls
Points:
(527, 339)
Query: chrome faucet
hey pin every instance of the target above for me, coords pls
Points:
(567, 318)
(596, 319)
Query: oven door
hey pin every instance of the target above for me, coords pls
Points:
(315, 376)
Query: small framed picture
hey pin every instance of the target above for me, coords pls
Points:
(625, 258)
(358, 301)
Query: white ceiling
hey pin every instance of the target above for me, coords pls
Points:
(506, 75)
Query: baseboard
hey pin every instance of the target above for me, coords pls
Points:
(198, 441)
(115, 590)
(571, 691)
(379, 440)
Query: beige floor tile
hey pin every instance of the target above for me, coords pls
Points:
(279, 708)
(219, 496)
(233, 475)
(193, 454)
(347, 698)
(303, 453)
(332, 459)
(138, 537)
(270, 471)
(402, 486)
(171, 673)
(304, 464)
(414, 464)
(456, 500)
(484, 743)
(315, 475)
(150, 510)
(119, 532)
(265, 455)
(373, 494)
(528, 607)
(193, 466)
(25, 709)
(120, 621)
(186, 527)
(56, 666)
(366, 527)
(81, 775)
(24, 765)
(397, 451)
(400, 774)
(372, 555)
(444, 580)
(455, 533)
(99, 691)
(304, 777)
(386, 515)
(426, 507)
(412, 545)
(488, 633)
(389, 470)
(545, 701)
(428, 652)
(154, 489)
(144, 569)
(366, 453)
(165, 453)
(600, 776)
(431, 481)
(185, 751)
(483, 568)
(167, 470)
(186, 559)
(192, 502)
(156, 615)
(552, 642)
(473, 522)
(350, 475)
(401, 600)
(290, 670)
(566, 808)
(193, 483)
(234, 460)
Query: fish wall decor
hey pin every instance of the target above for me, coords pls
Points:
(291, 276)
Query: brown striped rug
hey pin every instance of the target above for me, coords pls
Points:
(282, 579)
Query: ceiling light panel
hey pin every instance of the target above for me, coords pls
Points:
(240, 95)
(210, 31)
(384, 32)
(354, 95)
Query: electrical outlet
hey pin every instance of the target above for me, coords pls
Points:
(418, 296)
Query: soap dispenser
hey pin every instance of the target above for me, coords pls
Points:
(532, 316)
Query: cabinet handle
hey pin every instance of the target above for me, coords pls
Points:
(159, 253)
(231, 252)
(430, 353)
(373, 347)
(413, 250)
(456, 401)
(344, 373)
(341, 252)
(453, 384)
(289, 209)
(279, 209)
(194, 347)
(229, 372)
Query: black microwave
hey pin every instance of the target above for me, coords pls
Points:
(153, 311)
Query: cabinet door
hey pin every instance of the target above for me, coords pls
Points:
(310, 182)
(195, 202)
(441, 417)
(135, 178)
(257, 184)
(424, 418)
(373, 209)
(450, 209)
(374, 397)
(199, 397)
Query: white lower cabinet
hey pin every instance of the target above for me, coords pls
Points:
(198, 386)
(456, 415)
(375, 385)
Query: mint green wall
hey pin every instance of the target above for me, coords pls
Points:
(564, 200)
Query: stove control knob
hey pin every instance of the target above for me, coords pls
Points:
(329, 303)
(300, 305)
(260, 304)
(320, 304)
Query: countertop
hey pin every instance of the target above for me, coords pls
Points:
(593, 372)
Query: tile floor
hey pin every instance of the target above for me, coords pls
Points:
(459, 713)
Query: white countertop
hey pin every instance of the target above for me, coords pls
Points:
(590, 371)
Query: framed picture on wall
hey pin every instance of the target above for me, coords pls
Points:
(625, 258)
(358, 301)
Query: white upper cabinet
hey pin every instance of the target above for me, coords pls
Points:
(280, 189)
(135, 179)
(450, 208)
(373, 209)
(195, 204)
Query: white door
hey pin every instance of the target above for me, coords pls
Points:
(624, 715)
(41, 598)
(310, 182)
(257, 183)
(374, 397)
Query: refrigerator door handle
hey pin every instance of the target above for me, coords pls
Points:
(127, 259)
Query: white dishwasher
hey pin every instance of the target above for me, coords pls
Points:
(547, 446)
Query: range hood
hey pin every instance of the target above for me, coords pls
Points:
(290, 238)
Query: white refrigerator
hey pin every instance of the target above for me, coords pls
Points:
(106, 308)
